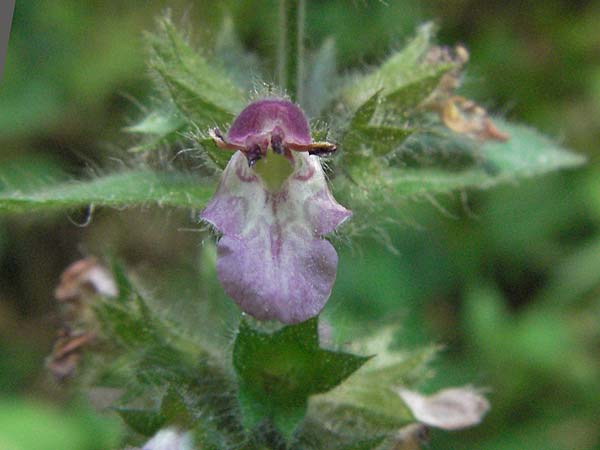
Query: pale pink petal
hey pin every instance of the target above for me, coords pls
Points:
(271, 258)
(449, 409)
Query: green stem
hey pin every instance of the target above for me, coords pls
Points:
(290, 52)
(300, 21)
(282, 45)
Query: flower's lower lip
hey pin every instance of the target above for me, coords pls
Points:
(272, 259)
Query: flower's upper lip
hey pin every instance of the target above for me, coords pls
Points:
(276, 124)
(263, 116)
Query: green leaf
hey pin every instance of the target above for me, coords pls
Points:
(404, 79)
(29, 172)
(366, 404)
(143, 421)
(383, 102)
(364, 113)
(368, 142)
(158, 358)
(398, 104)
(278, 372)
(159, 351)
(158, 128)
(526, 154)
(199, 88)
(118, 190)
(362, 140)
(148, 421)
(437, 146)
(364, 444)
(157, 123)
(428, 165)
(316, 434)
(174, 409)
(215, 157)
(124, 287)
(129, 323)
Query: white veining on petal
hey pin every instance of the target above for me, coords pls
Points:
(271, 258)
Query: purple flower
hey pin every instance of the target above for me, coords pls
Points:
(272, 207)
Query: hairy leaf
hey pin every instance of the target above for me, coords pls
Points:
(28, 173)
(404, 79)
(427, 164)
(278, 372)
(197, 391)
(214, 157)
(527, 153)
(172, 411)
(199, 88)
(366, 404)
(143, 421)
(118, 190)
(158, 128)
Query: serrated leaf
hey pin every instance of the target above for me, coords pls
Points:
(217, 158)
(158, 352)
(157, 123)
(382, 102)
(526, 154)
(199, 88)
(124, 286)
(363, 140)
(366, 404)
(144, 421)
(158, 128)
(364, 113)
(175, 411)
(368, 142)
(118, 190)
(277, 372)
(453, 164)
(149, 421)
(199, 391)
(402, 69)
(396, 105)
(129, 323)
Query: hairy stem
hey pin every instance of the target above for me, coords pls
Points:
(300, 21)
(290, 51)
(282, 45)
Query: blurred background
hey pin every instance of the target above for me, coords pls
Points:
(508, 280)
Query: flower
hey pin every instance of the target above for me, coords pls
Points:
(272, 207)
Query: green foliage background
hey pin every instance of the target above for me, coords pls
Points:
(508, 279)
